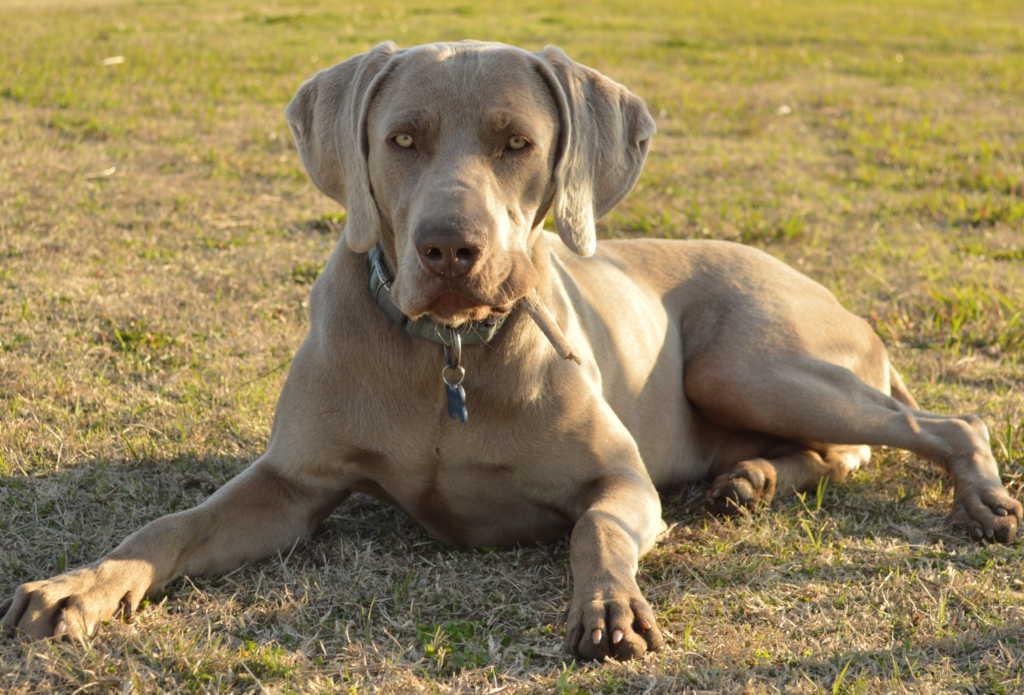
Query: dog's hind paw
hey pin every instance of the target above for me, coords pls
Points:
(987, 513)
(749, 484)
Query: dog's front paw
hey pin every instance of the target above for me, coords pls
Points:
(73, 604)
(612, 623)
(987, 512)
(749, 484)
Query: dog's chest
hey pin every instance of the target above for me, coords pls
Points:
(465, 499)
(480, 483)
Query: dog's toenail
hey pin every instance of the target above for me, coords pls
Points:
(644, 624)
(616, 636)
(596, 636)
(1000, 511)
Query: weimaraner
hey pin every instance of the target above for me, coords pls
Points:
(434, 377)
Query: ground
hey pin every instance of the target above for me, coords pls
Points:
(158, 238)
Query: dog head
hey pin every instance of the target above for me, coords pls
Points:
(452, 155)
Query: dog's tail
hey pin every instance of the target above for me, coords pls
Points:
(899, 389)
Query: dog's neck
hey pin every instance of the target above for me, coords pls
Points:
(472, 333)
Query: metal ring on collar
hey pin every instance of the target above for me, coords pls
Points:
(453, 350)
(462, 375)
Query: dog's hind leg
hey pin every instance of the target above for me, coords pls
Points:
(753, 482)
(814, 403)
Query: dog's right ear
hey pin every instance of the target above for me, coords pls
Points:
(605, 134)
(326, 119)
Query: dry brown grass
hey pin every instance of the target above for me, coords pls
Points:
(147, 316)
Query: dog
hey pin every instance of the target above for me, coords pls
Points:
(501, 384)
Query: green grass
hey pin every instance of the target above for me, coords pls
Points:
(157, 241)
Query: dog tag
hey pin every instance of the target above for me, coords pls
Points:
(456, 402)
(456, 394)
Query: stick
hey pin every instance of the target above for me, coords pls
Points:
(546, 323)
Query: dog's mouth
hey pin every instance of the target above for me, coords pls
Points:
(454, 308)
(489, 292)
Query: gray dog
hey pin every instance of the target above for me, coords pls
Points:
(434, 374)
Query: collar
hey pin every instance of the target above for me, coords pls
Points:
(472, 333)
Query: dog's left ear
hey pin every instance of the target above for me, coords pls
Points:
(605, 132)
(327, 118)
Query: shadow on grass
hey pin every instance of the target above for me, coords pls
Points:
(370, 589)
(62, 519)
(371, 596)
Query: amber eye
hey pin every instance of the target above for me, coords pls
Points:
(517, 143)
(403, 140)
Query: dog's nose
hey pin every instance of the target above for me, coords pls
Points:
(447, 252)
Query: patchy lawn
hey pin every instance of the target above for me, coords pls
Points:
(158, 238)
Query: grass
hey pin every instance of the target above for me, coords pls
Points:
(158, 238)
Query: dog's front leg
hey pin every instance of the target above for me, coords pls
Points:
(257, 513)
(609, 615)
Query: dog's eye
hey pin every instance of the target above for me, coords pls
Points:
(517, 143)
(403, 140)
